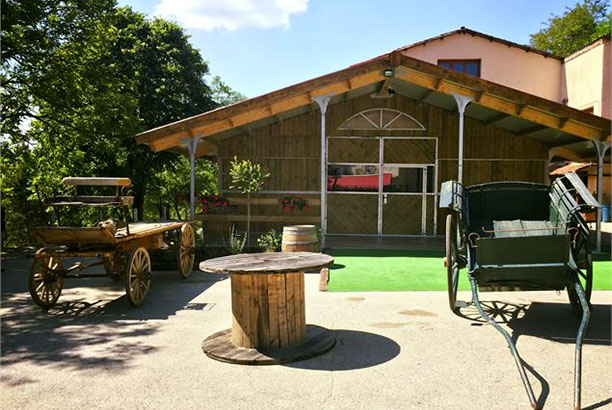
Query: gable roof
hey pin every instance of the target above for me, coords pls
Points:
(498, 104)
(473, 33)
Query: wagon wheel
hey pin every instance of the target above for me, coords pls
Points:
(452, 260)
(586, 277)
(114, 265)
(138, 276)
(186, 256)
(45, 280)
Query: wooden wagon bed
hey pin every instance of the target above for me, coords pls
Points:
(101, 235)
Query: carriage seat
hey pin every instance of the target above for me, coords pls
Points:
(521, 228)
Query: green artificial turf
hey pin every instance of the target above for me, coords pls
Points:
(415, 270)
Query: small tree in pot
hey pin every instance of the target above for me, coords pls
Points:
(247, 177)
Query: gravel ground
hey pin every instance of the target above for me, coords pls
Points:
(395, 350)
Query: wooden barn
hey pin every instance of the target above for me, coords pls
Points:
(381, 135)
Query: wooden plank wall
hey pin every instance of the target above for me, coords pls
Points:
(290, 149)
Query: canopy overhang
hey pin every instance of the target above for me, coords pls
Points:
(524, 114)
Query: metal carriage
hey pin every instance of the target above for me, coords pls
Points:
(521, 236)
(122, 247)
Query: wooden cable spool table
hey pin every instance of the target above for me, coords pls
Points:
(268, 315)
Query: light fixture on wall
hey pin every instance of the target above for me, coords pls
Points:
(388, 72)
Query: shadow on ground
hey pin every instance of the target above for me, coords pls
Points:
(353, 350)
(550, 321)
(92, 324)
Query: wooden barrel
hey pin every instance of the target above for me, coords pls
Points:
(268, 309)
(300, 238)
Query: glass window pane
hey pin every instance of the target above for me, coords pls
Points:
(431, 173)
(458, 65)
(356, 178)
(398, 179)
(472, 67)
(445, 64)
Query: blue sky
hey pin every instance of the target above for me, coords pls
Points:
(258, 46)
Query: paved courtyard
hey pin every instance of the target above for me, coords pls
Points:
(395, 350)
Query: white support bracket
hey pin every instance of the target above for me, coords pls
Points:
(192, 145)
(601, 148)
(462, 102)
(323, 101)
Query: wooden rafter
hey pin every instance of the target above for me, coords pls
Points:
(507, 101)
(564, 153)
(491, 100)
(495, 119)
(530, 130)
(424, 96)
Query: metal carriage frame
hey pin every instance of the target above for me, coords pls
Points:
(521, 236)
(122, 247)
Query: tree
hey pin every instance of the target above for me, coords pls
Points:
(79, 79)
(223, 94)
(247, 177)
(575, 29)
(172, 184)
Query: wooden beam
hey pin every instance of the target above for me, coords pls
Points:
(529, 130)
(564, 153)
(359, 75)
(383, 92)
(495, 119)
(423, 96)
(497, 103)
(261, 218)
(169, 141)
(488, 94)
(206, 148)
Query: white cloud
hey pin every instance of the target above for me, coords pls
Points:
(231, 14)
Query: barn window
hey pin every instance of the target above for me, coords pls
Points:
(471, 67)
(381, 119)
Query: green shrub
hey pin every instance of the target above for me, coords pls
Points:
(236, 241)
(270, 241)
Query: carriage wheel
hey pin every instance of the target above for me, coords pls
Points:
(45, 280)
(186, 248)
(138, 276)
(114, 265)
(586, 277)
(452, 261)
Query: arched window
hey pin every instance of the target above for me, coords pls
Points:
(381, 119)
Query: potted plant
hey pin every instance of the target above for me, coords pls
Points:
(247, 177)
(214, 203)
(293, 202)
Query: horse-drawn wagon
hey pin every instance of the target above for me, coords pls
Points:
(521, 236)
(121, 246)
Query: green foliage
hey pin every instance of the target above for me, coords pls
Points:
(172, 183)
(222, 94)
(575, 29)
(247, 176)
(270, 241)
(79, 79)
(603, 28)
(236, 242)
